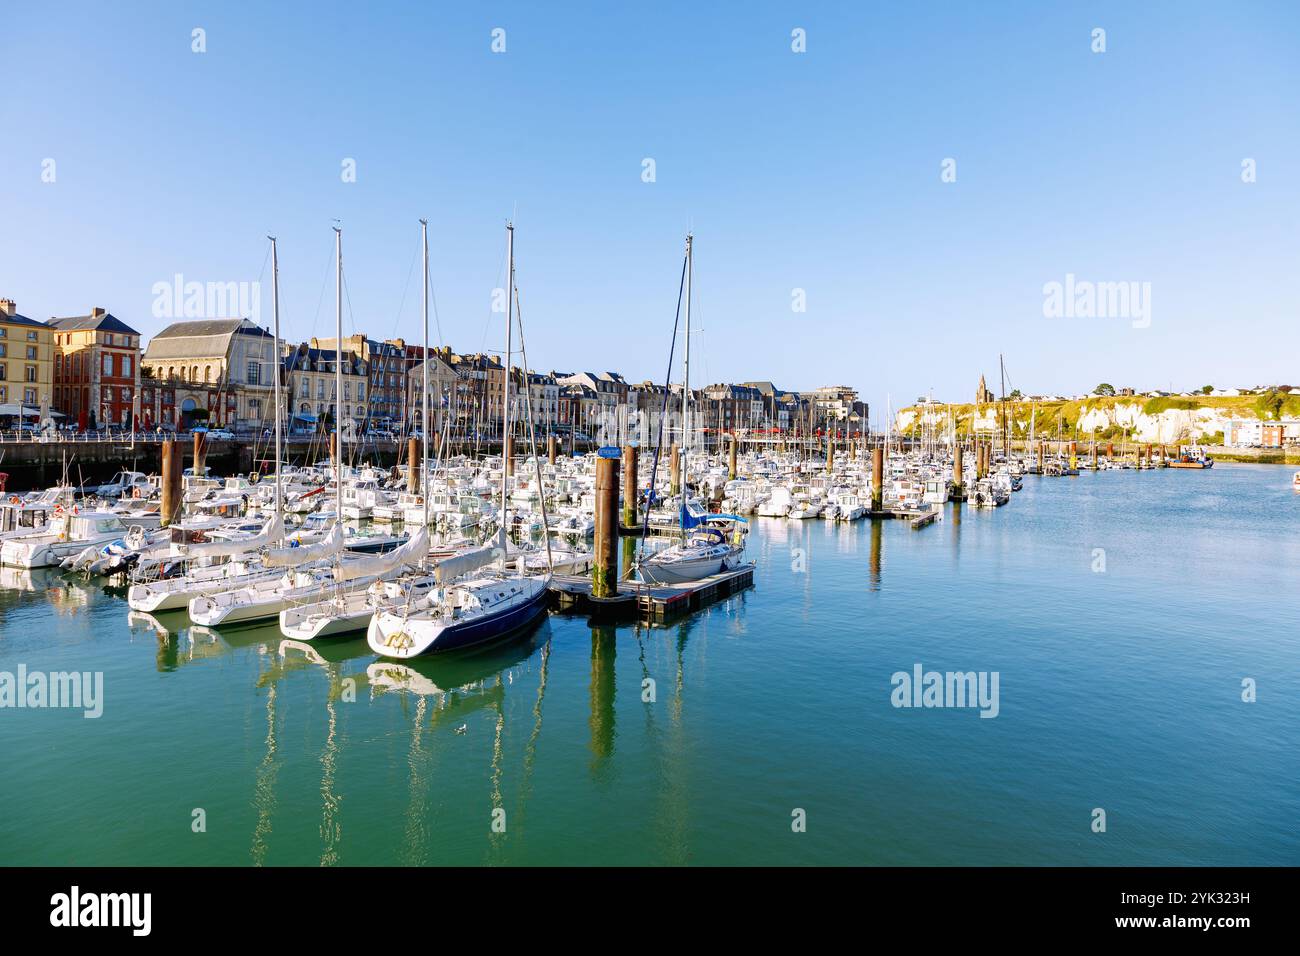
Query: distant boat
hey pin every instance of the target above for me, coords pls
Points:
(1295, 481)
(1192, 458)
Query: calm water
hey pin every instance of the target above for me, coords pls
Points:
(1120, 690)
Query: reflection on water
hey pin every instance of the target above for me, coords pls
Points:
(717, 724)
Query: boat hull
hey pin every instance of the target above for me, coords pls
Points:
(433, 636)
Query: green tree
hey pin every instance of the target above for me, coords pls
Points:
(1104, 389)
(1206, 389)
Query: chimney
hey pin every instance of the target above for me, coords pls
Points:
(97, 312)
(7, 306)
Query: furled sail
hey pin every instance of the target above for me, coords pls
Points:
(273, 530)
(293, 557)
(453, 567)
(369, 565)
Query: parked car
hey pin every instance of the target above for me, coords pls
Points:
(381, 434)
(220, 434)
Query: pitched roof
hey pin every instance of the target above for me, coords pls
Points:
(101, 320)
(15, 319)
(202, 327)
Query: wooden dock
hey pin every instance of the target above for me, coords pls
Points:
(916, 518)
(651, 602)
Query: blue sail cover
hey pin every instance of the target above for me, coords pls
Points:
(689, 520)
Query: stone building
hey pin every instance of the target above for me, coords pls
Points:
(96, 369)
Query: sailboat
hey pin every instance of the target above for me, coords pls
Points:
(460, 613)
(363, 588)
(710, 543)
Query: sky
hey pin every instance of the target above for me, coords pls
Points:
(823, 177)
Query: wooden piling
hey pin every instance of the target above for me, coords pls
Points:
(508, 453)
(731, 461)
(200, 452)
(877, 479)
(604, 566)
(630, 454)
(550, 448)
(413, 464)
(173, 464)
(675, 470)
(956, 472)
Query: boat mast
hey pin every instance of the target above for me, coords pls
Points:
(505, 402)
(275, 326)
(686, 386)
(424, 416)
(338, 373)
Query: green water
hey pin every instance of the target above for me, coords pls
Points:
(1119, 689)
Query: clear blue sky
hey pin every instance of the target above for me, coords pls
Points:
(818, 171)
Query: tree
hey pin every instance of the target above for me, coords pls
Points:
(1104, 389)
(1016, 395)
(1206, 389)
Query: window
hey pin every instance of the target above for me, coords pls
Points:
(109, 338)
(29, 396)
(305, 387)
(3, 353)
(254, 407)
(128, 365)
(361, 391)
(31, 336)
(2, 333)
(254, 372)
(31, 373)
(4, 392)
(31, 353)
(108, 394)
(320, 388)
(4, 371)
(347, 391)
(107, 364)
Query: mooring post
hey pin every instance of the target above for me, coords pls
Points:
(200, 452)
(604, 566)
(629, 485)
(956, 472)
(550, 448)
(731, 462)
(334, 446)
(878, 479)
(413, 464)
(675, 470)
(508, 453)
(173, 463)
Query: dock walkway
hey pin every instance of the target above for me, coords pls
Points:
(652, 602)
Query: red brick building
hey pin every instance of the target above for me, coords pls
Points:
(96, 369)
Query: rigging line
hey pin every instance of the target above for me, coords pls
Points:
(324, 282)
(532, 433)
(406, 287)
(668, 385)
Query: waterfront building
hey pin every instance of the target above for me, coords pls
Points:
(447, 391)
(221, 371)
(312, 386)
(386, 372)
(96, 369)
(26, 360)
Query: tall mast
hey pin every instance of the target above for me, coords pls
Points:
(275, 327)
(505, 403)
(424, 417)
(338, 373)
(686, 384)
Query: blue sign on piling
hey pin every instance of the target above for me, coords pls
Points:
(609, 451)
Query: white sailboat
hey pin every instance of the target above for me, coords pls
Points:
(488, 607)
(705, 548)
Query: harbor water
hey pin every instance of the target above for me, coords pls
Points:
(1126, 615)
